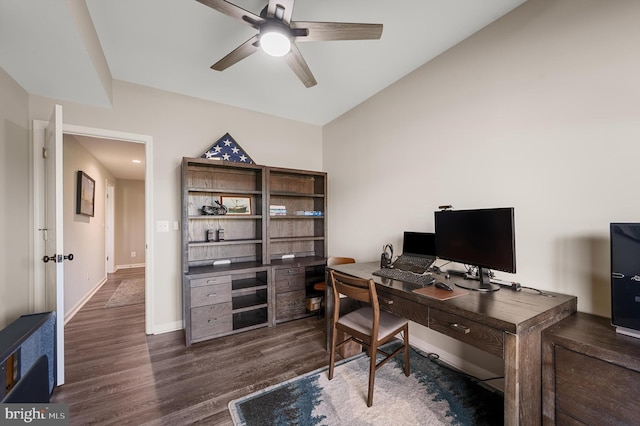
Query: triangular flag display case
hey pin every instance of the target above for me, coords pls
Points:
(227, 149)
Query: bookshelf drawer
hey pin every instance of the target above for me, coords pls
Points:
(210, 295)
(211, 320)
(290, 305)
(222, 279)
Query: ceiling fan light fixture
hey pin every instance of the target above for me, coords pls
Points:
(274, 40)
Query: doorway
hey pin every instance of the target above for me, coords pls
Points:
(110, 135)
(39, 206)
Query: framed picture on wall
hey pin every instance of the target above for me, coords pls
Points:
(85, 194)
(237, 205)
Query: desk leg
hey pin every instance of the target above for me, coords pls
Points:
(511, 380)
(523, 376)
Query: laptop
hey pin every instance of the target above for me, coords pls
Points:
(418, 252)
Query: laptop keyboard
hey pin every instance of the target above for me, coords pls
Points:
(406, 276)
(419, 265)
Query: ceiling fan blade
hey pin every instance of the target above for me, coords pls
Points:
(299, 66)
(238, 54)
(281, 10)
(234, 11)
(328, 31)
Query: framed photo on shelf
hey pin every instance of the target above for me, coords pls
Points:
(85, 194)
(237, 205)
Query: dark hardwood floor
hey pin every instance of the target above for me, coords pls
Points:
(115, 374)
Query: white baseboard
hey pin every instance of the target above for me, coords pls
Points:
(69, 315)
(131, 266)
(167, 327)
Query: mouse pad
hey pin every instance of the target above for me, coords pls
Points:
(437, 293)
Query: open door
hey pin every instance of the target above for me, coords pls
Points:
(53, 232)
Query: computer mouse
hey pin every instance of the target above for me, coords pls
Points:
(443, 286)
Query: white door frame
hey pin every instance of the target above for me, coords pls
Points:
(109, 227)
(38, 180)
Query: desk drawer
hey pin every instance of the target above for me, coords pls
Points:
(475, 334)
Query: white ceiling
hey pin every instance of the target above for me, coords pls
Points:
(72, 49)
(117, 156)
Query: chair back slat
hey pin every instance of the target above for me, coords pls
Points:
(359, 289)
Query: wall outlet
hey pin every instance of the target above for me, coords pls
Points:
(162, 226)
(133, 254)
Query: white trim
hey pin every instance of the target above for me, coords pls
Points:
(69, 315)
(147, 140)
(36, 275)
(168, 327)
(109, 214)
(131, 266)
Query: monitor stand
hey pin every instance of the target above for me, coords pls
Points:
(483, 283)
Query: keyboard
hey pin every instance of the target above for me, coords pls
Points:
(406, 276)
(419, 265)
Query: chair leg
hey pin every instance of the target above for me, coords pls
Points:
(407, 368)
(332, 355)
(372, 374)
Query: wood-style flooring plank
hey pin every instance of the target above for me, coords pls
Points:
(115, 374)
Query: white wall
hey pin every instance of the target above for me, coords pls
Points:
(540, 111)
(84, 236)
(15, 185)
(129, 223)
(184, 126)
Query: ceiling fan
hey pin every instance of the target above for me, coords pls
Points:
(278, 34)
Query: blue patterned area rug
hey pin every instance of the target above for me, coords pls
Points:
(431, 395)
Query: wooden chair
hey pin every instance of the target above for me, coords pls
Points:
(368, 325)
(321, 286)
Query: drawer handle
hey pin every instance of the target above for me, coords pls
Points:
(460, 328)
(386, 301)
(212, 320)
(211, 295)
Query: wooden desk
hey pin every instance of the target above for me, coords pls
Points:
(505, 323)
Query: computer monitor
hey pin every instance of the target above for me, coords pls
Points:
(419, 244)
(483, 237)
